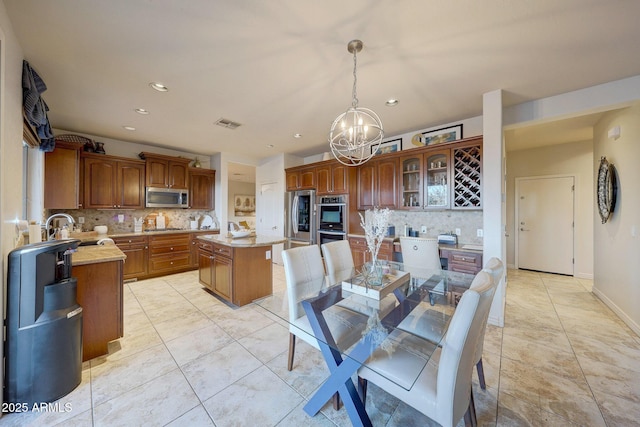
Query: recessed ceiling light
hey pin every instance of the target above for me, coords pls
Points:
(159, 87)
(141, 111)
(391, 103)
(131, 128)
(297, 135)
(270, 145)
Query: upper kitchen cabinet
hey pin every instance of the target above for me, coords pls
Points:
(378, 183)
(333, 178)
(166, 171)
(436, 184)
(62, 176)
(202, 184)
(411, 182)
(466, 175)
(301, 178)
(112, 182)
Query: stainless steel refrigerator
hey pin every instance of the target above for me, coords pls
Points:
(300, 218)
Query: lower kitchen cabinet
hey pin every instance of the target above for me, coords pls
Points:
(462, 261)
(136, 248)
(360, 250)
(99, 293)
(239, 275)
(169, 253)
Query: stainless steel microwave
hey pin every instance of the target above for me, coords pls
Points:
(158, 197)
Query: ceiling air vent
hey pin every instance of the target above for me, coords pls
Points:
(226, 123)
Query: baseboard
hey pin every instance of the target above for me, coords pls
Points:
(621, 314)
(584, 276)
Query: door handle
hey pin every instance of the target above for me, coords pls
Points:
(523, 229)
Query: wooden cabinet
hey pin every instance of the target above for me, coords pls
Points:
(411, 182)
(466, 176)
(202, 184)
(332, 178)
(462, 261)
(301, 178)
(169, 253)
(136, 248)
(166, 171)
(62, 176)
(360, 253)
(195, 247)
(436, 179)
(378, 184)
(239, 275)
(99, 293)
(112, 182)
(222, 271)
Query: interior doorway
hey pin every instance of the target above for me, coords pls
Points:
(545, 224)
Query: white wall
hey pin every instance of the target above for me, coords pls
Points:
(565, 159)
(617, 242)
(237, 187)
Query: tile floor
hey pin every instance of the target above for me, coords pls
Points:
(187, 359)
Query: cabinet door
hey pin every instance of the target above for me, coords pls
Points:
(99, 183)
(61, 177)
(293, 181)
(366, 186)
(135, 266)
(223, 276)
(325, 182)
(411, 182)
(437, 165)
(202, 189)
(308, 179)
(358, 250)
(130, 185)
(387, 181)
(178, 174)
(205, 267)
(157, 172)
(340, 179)
(467, 177)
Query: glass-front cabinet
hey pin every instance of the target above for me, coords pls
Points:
(436, 191)
(411, 191)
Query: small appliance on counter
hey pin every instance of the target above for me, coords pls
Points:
(448, 239)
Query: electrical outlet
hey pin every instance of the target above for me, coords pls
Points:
(80, 220)
(480, 232)
(423, 229)
(457, 232)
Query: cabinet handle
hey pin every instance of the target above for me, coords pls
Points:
(171, 248)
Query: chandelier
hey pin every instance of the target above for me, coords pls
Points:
(357, 133)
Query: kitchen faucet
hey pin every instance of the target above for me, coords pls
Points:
(47, 224)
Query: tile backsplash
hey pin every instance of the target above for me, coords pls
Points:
(175, 218)
(438, 222)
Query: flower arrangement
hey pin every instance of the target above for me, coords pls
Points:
(375, 224)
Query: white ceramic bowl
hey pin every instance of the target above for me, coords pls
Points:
(101, 229)
(240, 233)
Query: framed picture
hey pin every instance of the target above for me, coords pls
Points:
(389, 147)
(437, 136)
(244, 205)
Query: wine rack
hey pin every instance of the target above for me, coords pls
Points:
(467, 177)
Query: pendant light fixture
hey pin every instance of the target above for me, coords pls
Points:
(357, 133)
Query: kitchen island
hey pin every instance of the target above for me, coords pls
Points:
(237, 270)
(98, 270)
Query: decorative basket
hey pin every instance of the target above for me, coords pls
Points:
(88, 144)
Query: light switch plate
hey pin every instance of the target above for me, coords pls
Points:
(423, 229)
(267, 255)
(457, 231)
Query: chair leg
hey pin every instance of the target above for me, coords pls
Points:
(480, 370)
(292, 349)
(337, 402)
(472, 410)
(362, 389)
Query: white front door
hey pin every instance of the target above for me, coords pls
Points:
(544, 229)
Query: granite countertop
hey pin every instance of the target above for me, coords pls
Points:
(95, 254)
(245, 242)
(466, 247)
(154, 233)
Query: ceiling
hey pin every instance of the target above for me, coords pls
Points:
(282, 67)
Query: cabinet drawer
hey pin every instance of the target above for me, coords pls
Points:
(205, 246)
(357, 242)
(223, 250)
(464, 262)
(170, 262)
(172, 243)
(133, 241)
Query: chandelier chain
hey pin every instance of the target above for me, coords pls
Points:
(354, 93)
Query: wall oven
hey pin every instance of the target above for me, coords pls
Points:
(332, 219)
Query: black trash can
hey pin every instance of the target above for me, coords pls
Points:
(43, 345)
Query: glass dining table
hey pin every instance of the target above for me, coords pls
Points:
(384, 307)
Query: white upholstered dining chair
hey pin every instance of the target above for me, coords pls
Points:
(304, 274)
(338, 260)
(495, 268)
(419, 254)
(442, 390)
